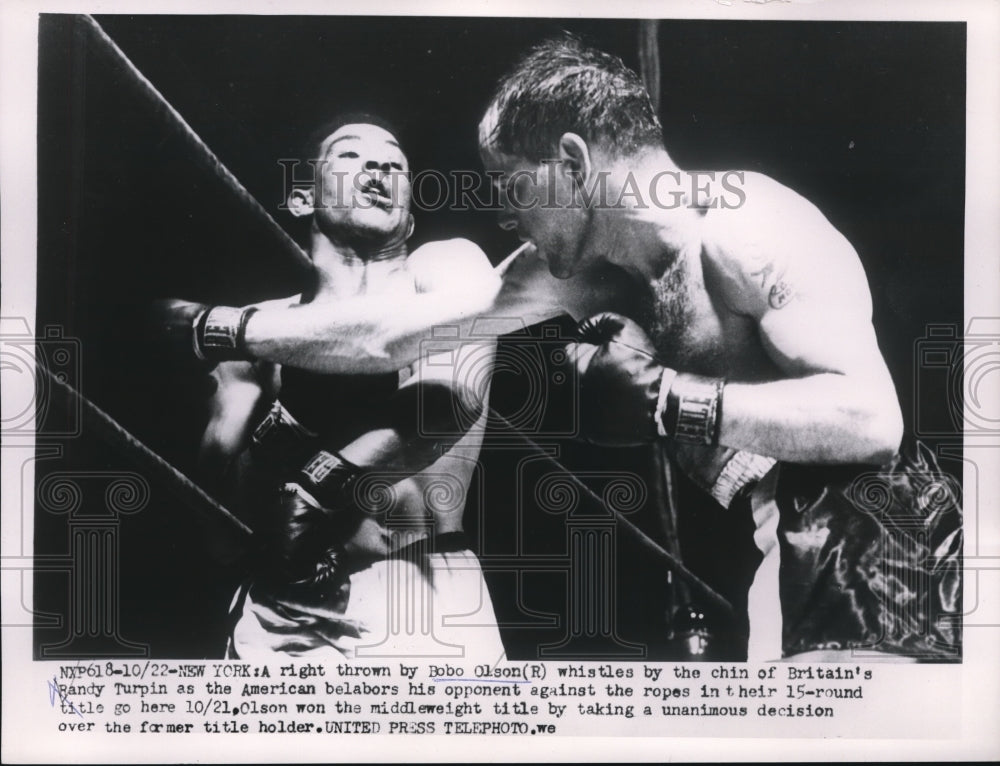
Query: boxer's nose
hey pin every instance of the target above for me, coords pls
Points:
(377, 170)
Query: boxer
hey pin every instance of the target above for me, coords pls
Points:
(361, 479)
(748, 349)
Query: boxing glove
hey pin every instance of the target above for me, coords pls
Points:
(311, 516)
(619, 381)
(210, 333)
(628, 398)
(302, 536)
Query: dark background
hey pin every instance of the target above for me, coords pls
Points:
(865, 119)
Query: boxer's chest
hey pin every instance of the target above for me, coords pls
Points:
(378, 278)
(694, 331)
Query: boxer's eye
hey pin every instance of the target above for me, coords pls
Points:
(348, 155)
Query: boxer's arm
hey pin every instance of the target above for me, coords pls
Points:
(784, 265)
(460, 295)
(240, 391)
(374, 334)
(343, 491)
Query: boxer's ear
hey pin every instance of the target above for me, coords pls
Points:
(410, 226)
(300, 202)
(574, 156)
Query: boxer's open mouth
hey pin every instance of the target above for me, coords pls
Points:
(378, 196)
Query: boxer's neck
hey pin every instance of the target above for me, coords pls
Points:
(650, 242)
(344, 270)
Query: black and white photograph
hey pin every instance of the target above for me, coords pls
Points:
(597, 377)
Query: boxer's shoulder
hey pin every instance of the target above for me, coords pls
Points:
(774, 233)
(456, 247)
(448, 262)
(732, 235)
(770, 217)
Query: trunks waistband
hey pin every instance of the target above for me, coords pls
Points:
(741, 470)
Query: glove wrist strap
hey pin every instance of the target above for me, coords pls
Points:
(330, 478)
(220, 333)
(693, 412)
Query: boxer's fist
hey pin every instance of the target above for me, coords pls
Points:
(209, 333)
(302, 533)
(171, 324)
(619, 381)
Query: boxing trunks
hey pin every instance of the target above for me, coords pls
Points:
(426, 600)
(869, 559)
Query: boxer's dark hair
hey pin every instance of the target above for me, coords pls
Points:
(563, 85)
(313, 144)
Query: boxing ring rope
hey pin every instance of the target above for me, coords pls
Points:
(201, 153)
(647, 543)
(116, 434)
(112, 431)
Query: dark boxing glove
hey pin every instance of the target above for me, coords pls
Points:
(628, 398)
(280, 444)
(619, 380)
(303, 533)
(210, 333)
(311, 517)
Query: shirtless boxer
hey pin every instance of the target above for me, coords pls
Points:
(745, 294)
(360, 529)
(748, 343)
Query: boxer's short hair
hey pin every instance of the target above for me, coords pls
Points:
(562, 85)
(314, 142)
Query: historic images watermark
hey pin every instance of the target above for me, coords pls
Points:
(524, 189)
